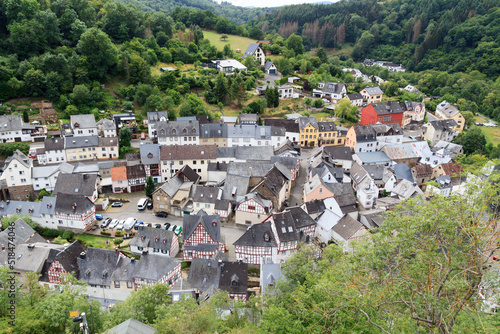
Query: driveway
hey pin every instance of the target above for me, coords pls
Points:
(136, 143)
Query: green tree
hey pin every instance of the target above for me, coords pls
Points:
(138, 70)
(473, 140)
(43, 192)
(118, 241)
(220, 89)
(468, 118)
(392, 89)
(343, 108)
(125, 136)
(26, 118)
(318, 103)
(100, 53)
(150, 187)
(295, 43)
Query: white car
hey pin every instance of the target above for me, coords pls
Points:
(120, 225)
(113, 223)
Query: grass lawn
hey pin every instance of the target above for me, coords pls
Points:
(236, 42)
(492, 134)
(156, 69)
(345, 49)
(480, 119)
(96, 241)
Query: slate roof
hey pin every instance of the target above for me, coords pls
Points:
(188, 173)
(249, 131)
(285, 226)
(66, 257)
(84, 121)
(288, 162)
(333, 87)
(20, 157)
(347, 227)
(213, 130)
(338, 152)
(75, 184)
(11, 123)
(253, 169)
(235, 185)
(234, 272)
(172, 186)
(315, 206)
(203, 273)
(23, 234)
(188, 152)
(99, 265)
(378, 157)
(288, 124)
(64, 204)
(406, 189)
(150, 154)
(268, 64)
(374, 91)
(252, 47)
(81, 142)
(156, 116)
(248, 118)
(402, 171)
(326, 126)
(304, 121)
(211, 224)
(347, 203)
(222, 205)
(274, 181)
(356, 96)
(108, 142)
(365, 133)
(376, 172)
(130, 157)
(217, 167)
(444, 125)
(256, 236)
(452, 147)
(270, 273)
(407, 150)
(207, 248)
(107, 124)
(177, 128)
(385, 108)
(300, 218)
(153, 267)
(149, 237)
(131, 326)
(46, 171)
(447, 109)
(388, 129)
(204, 194)
(31, 257)
(277, 131)
(54, 144)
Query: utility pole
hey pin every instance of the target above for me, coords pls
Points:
(83, 323)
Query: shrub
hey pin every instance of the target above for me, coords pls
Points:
(68, 235)
(47, 232)
(60, 240)
(105, 233)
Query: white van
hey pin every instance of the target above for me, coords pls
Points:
(141, 205)
(129, 223)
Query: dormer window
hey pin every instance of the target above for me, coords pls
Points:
(267, 237)
(184, 130)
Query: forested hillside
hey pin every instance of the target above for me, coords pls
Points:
(235, 14)
(455, 35)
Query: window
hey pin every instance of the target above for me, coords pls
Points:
(129, 285)
(117, 284)
(21, 172)
(251, 207)
(194, 162)
(181, 162)
(248, 222)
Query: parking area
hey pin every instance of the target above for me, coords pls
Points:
(230, 233)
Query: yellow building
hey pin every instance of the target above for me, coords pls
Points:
(446, 110)
(308, 127)
(330, 134)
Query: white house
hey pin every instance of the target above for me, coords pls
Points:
(255, 51)
(285, 92)
(16, 179)
(356, 99)
(229, 66)
(248, 135)
(252, 209)
(178, 132)
(13, 129)
(326, 221)
(53, 152)
(332, 91)
(45, 177)
(153, 118)
(366, 189)
(270, 67)
(441, 130)
(106, 128)
(83, 125)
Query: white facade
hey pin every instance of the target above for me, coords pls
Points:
(45, 179)
(179, 140)
(52, 157)
(325, 223)
(285, 92)
(18, 172)
(171, 167)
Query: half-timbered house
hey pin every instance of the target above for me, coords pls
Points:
(252, 208)
(155, 241)
(61, 262)
(201, 236)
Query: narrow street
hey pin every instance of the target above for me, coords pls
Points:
(297, 191)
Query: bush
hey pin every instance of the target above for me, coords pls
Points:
(60, 240)
(47, 232)
(105, 233)
(68, 235)
(117, 233)
(185, 265)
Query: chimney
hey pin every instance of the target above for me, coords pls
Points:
(132, 260)
(250, 169)
(3, 247)
(82, 255)
(145, 252)
(116, 251)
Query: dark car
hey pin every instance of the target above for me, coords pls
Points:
(150, 205)
(137, 225)
(161, 214)
(157, 226)
(106, 222)
(116, 204)
(166, 226)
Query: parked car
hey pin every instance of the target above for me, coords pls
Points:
(157, 226)
(172, 228)
(98, 216)
(120, 225)
(178, 230)
(147, 225)
(113, 223)
(161, 214)
(116, 204)
(143, 135)
(165, 226)
(137, 225)
(106, 222)
(150, 205)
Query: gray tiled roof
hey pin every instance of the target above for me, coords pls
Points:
(356, 96)
(243, 118)
(203, 194)
(285, 226)
(177, 128)
(235, 184)
(131, 326)
(402, 171)
(253, 169)
(11, 123)
(365, 133)
(304, 121)
(347, 226)
(20, 157)
(108, 124)
(338, 152)
(288, 124)
(80, 142)
(387, 108)
(154, 267)
(268, 64)
(53, 144)
(270, 273)
(75, 184)
(444, 125)
(188, 152)
(84, 121)
(99, 265)
(333, 87)
(234, 272)
(258, 235)
(156, 116)
(315, 206)
(264, 202)
(300, 218)
(149, 237)
(211, 223)
(31, 257)
(374, 91)
(252, 47)
(447, 109)
(66, 202)
(108, 142)
(203, 274)
(172, 186)
(213, 130)
(150, 153)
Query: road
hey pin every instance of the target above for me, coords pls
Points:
(297, 191)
